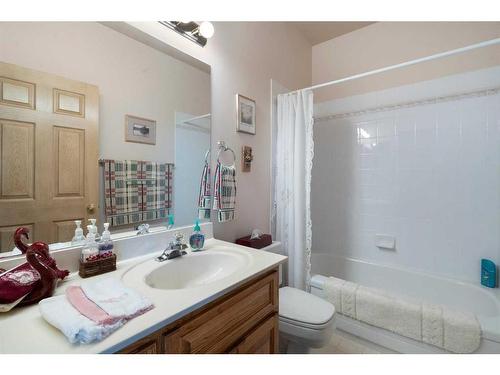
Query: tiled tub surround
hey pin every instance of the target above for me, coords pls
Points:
(427, 174)
(20, 326)
(419, 164)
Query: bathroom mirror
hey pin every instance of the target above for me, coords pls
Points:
(116, 128)
(192, 168)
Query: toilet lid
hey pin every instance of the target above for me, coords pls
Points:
(304, 307)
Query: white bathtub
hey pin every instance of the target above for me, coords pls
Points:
(483, 302)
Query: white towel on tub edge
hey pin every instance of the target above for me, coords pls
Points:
(390, 312)
(462, 331)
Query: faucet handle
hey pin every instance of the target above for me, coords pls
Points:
(179, 237)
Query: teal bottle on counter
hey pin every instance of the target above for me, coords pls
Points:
(197, 239)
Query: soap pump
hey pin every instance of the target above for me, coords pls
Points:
(79, 238)
(170, 221)
(106, 243)
(93, 229)
(197, 239)
(90, 250)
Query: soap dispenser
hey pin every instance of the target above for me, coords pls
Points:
(90, 250)
(106, 243)
(170, 221)
(79, 238)
(197, 239)
(93, 229)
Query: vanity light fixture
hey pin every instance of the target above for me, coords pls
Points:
(198, 33)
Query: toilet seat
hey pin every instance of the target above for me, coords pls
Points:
(303, 309)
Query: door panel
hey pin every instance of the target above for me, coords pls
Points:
(49, 152)
(65, 230)
(17, 160)
(69, 161)
(6, 233)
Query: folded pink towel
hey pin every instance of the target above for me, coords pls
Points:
(86, 307)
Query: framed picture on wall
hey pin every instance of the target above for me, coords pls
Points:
(140, 130)
(246, 114)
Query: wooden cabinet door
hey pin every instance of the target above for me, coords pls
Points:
(218, 329)
(48, 154)
(262, 340)
(148, 345)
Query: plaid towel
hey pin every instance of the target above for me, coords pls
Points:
(204, 198)
(136, 191)
(225, 192)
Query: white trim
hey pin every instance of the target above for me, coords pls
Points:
(410, 104)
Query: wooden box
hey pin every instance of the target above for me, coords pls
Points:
(97, 267)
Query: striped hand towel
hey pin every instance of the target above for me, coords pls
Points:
(204, 198)
(225, 192)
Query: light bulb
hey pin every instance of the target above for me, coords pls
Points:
(184, 22)
(206, 29)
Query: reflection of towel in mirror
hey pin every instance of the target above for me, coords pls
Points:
(225, 192)
(204, 198)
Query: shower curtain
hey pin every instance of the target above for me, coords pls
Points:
(294, 155)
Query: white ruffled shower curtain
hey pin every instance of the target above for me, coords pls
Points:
(294, 156)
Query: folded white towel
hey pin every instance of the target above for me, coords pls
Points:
(333, 292)
(76, 327)
(388, 311)
(349, 291)
(116, 299)
(432, 324)
(462, 331)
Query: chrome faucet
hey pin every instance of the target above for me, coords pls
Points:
(142, 229)
(175, 249)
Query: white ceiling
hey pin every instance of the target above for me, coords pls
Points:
(318, 32)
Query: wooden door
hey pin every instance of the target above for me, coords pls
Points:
(48, 154)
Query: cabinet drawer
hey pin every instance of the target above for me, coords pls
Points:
(261, 340)
(147, 345)
(217, 329)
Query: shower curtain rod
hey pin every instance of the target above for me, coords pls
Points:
(404, 64)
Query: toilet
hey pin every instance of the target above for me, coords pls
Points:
(305, 321)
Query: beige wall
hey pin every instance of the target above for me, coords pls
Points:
(387, 43)
(244, 56)
(132, 78)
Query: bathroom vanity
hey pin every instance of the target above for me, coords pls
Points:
(244, 321)
(223, 299)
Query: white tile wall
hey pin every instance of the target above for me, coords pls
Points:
(428, 175)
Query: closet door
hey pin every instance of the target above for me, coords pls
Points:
(48, 154)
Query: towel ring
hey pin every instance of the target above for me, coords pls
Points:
(223, 147)
(206, 156)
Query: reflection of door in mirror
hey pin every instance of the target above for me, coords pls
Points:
(48, 154)
(192, 146)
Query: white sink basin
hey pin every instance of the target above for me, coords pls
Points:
(197, 269)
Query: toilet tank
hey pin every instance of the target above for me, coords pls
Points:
(276, 248)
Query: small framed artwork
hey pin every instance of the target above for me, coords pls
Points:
(140, 130)
(246, 114)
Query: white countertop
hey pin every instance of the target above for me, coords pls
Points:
(23, 330)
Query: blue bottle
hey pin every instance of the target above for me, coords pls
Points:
(197, 239)
(170, 221)
(488, 273)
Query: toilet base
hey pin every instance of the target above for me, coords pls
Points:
(290, 347)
